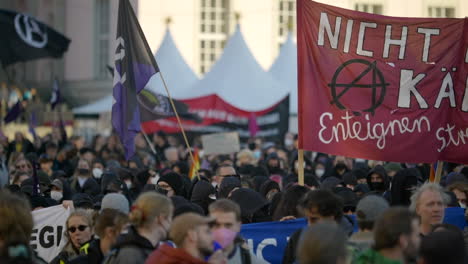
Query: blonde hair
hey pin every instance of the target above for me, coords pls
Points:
(16, 219)
(86, 215)
(147, 207)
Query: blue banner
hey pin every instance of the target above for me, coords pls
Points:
(268, 240)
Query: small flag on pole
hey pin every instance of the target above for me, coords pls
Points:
(195, 166)
(253, 125)
(35, 177)
(134, 66)
(33, 124)
(14, 113)
(55, 98)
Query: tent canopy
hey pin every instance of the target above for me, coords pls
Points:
(284, 69)
(238, 79)
(178, 75)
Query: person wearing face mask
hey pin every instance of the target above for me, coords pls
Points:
(150, 218)
(379, 182)
(98, 169)
(82, 182)
(171, 183)
(227, 215)
(56, 190)
(319, 170)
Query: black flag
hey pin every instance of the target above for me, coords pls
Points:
(134, 67)
(24, 38)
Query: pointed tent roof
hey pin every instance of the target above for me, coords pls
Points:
(284, 69)
(178, 75)
(239, 79)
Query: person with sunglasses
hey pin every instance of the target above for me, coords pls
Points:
(79, 233)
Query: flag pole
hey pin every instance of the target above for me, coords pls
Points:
(180, 123)
(149, 142)
(438, 174)
(300, 172)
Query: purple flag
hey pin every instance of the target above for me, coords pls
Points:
(134, 66)
(14, 113)
(55, 98)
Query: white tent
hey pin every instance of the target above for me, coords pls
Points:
(239, 79)
(284, 69)
(178, 75)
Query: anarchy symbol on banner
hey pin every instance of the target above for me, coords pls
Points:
(340, 89)
(29, 31)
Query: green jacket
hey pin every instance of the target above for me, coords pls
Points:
(371, 256)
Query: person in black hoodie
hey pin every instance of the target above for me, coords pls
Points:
(82, 181)
(150, 218)
(203, 194)
(379, 182)
(404, 183)
(173, 183)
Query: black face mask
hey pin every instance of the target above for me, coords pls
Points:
(378, 186)
(83, 171)
(161, 190)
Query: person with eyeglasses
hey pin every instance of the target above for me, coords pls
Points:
(79, 233)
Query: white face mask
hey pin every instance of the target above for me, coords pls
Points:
(319, 172)
(288, 142)
(57, 196)
(129, 184)
(214, 184)
(154, 180)
(97, 173)
(462, 205)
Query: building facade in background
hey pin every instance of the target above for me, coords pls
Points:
(200, 29)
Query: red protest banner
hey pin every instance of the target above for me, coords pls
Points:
(382, 88)
(216, 115)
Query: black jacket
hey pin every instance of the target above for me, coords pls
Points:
(289, 256)
(90, 187)
(130, 248)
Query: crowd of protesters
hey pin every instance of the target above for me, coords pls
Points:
(148, 209)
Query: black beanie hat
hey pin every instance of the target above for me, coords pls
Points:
(174, 180)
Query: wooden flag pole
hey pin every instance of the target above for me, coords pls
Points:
(180, 123)
(300, 172)
(438, 174)
(149, 142)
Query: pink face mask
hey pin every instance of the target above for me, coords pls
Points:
(224, 236)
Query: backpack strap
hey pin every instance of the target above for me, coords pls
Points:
(245, 255)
